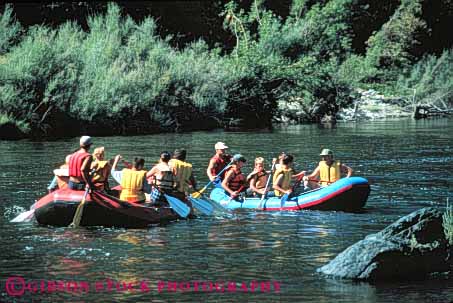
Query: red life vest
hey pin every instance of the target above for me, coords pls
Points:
(238, 179)
(220, 164)
(75, 163)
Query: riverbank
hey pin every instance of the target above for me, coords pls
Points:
(121, 76)
(362, 111)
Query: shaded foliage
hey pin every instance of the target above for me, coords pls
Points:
(119, 71)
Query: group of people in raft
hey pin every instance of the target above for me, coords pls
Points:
(173, 174)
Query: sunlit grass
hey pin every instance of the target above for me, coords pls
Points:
(448, 223)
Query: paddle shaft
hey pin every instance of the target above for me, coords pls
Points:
(268, 182)
(210, 182)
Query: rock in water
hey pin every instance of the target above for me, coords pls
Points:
(411, 248)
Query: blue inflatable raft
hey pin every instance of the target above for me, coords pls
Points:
(347, 194)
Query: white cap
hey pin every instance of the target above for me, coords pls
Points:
(220, 145)
(85, 141)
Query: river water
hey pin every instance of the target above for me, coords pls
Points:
(408, 163)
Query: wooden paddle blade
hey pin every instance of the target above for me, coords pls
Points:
(26, 216)
(201, 205)
(79, 211)
(178, 206)
(198, 193)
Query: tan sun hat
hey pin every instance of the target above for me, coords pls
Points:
(326, 152)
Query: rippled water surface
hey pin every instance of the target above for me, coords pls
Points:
(409, 164)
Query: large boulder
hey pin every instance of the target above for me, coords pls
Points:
(411, 248)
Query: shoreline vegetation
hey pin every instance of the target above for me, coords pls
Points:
(322, 61)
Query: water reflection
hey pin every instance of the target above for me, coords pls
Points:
(408, 164)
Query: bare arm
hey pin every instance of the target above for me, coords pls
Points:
(253, 187)
(152, 172)
(347, 170)
(85, 168)
(115, 162)
(211, 166)
(299, 175)
(313, 175)
(225, 181)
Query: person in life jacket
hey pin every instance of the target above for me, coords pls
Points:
(61, 178)
(132, 180)
(279, 165)
(328, 171)
(218, 162)
(161, 177)
(101, 169)
(182, 171)
(258, 178)
(234, 180)
(79, 166)
(281, 180)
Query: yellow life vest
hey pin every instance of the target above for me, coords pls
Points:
(287, 174)
(132, 185)
(183, 171)
(101, 173)
(329, 174)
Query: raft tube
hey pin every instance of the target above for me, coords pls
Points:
(58, 208)
(347, 194)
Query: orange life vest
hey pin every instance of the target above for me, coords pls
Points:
(237, 180)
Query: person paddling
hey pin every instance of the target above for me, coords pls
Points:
(258, 178)
(328, 171)
(132, 180)
(234, 179)
(182, 171)
(282, 177)
(161, 178)
(79, 166)
(101, 168)
(217, 163)
(61, 178)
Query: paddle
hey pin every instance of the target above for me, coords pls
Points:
(212, 204)
(285, 197)
(197, 194)
(201, 205)
(178, 206)
(52, 184)
(79, 211)
(267, 185)
(239, 191)
(26, 216)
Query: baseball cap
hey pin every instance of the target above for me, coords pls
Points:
(85, 141)
(326, 152)
(220, 145)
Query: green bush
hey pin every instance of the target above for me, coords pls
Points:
(120, 76)
(430, 81)
(10, 30)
